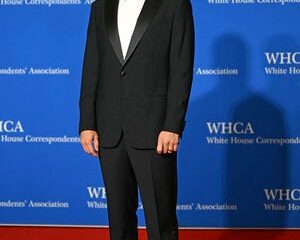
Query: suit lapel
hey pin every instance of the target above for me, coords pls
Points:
(111, 22)
(145, 17)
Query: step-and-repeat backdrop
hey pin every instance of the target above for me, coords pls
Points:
(239, 157)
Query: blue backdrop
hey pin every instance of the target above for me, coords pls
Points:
(239, 158)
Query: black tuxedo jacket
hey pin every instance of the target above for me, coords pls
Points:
(146, 92)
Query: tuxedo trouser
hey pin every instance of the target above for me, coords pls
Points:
(126, 169)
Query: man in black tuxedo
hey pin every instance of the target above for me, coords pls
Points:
(133, 106)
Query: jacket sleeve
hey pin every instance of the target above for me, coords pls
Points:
(181, 67)
(90, 77)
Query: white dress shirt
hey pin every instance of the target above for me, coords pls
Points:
(128, 13)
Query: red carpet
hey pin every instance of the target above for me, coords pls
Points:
(63, 233)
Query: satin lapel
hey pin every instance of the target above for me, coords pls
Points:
(111, 24)
(145, 17)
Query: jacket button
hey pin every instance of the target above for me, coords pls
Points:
(123, 73)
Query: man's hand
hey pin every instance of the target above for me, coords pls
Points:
(167, 142)
(90, 142)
